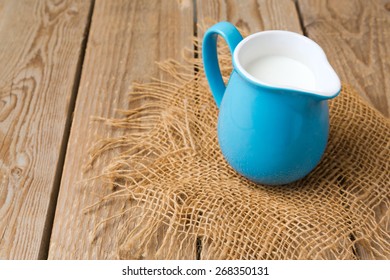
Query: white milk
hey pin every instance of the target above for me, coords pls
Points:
(282, 71)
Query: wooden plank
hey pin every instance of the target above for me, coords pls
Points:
(40, 49)
(355, 36)
(251, 16)
(126, 38)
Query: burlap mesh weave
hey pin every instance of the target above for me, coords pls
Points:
(169, 167)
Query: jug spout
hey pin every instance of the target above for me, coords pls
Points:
(286, 60)
(328, 84)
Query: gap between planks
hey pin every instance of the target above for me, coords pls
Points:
(45, 243)
(199, 246)
(300, 17)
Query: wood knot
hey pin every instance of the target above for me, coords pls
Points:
(16, 172)
(7, 105)
(387, 6)
(73, 11)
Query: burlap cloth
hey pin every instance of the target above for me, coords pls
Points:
(183, 196)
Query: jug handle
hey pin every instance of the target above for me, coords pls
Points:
(210, 57)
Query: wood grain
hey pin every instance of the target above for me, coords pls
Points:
(126, 38)
(251, 16)
(356, 38)
(40, 52)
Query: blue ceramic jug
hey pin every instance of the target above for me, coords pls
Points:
(273, 119)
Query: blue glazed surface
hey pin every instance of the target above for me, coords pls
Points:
(269, 135)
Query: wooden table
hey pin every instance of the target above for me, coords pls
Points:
(65, 61)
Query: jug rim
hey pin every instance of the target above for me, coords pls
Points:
(335, 84)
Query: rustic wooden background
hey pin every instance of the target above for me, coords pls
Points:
(65, 61)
